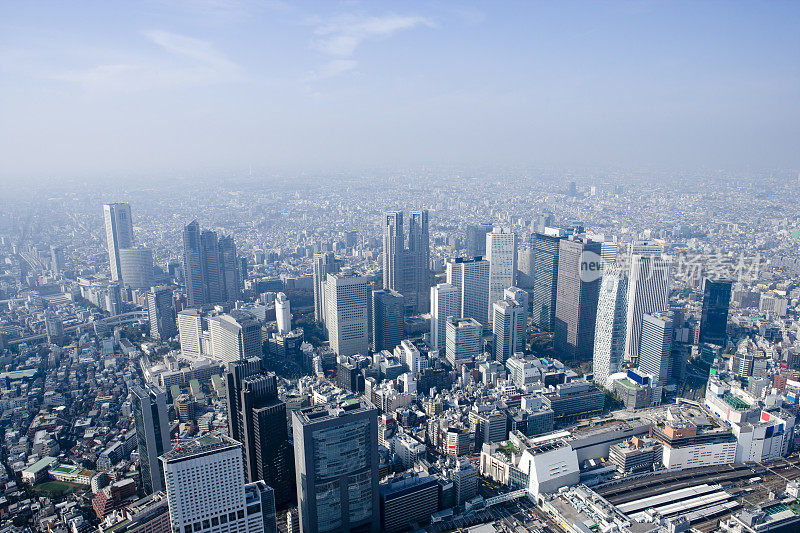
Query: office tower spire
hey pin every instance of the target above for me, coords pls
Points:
(119, 234)
(210, 267)
(407, 270)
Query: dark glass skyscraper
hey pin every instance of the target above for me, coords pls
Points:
(257, 419)
(545, 278)
(387, 319)
(577, 292)
(714, 317)
(152, 434)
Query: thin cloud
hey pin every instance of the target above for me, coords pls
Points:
(342, 36)
(183, 61)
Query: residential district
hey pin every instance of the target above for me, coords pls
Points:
(479, 354)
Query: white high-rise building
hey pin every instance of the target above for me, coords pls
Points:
(655, 354)
(609, 336)
(119, 234)
(235, 336)
(283, 314)
(206, 489)
(470, 277)
(501, 252)
(645, 248)
(136, 267)
(190, 329)
(444, 303)
(509, 325)
(346, 315)
(324, 263)
(648, 292)
(463, 340)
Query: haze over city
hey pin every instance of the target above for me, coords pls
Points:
(156, 88)
(362, 267)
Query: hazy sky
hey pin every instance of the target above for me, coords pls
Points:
(160, 87)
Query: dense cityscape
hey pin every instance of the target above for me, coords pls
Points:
(521, 351)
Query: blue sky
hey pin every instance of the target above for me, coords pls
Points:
(169, 87)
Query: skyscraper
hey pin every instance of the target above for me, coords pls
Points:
(206, 489)
(235, 336)
(444, 303)
(510, 325)
(346, 315)
(476, 239)
(324, 264)
(136, 266)
(545, 278)
(152, 433)
(210, 267)
(119, 234)
(257, 419)
(190, 328)
(609, 337)
(57, 259)
(283, 313)
(161, 312)
(501, 252)
(463, 340)
(577, 289)
(648, 292)
(387, 319)
(407, 270)
(336, 458)
(655, 355)
(714, 316)
(470, 277)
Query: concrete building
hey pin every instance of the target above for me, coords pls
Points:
(470, 277)
(388, 319)
(444, 304)
(136, 267)
(235, 336)
(119, 234)
(161, 313)
(648, 292)
(501, 252)
(609, 337)
(149, 406)
(463, 340)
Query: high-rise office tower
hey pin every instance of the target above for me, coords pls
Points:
(235, 336)
(136, 266)
(149, 405)
(210, 267)
(463, 340)
(336, 458)
(476, 239)
(655, 355)
(257, 419)
(407, 270)
(609, 336)
(577, 289)
(324, 264)
(283, 313)
(470, 277)
(231, 269)
(648, 292)
(510, 324)
(444, 303)
(190, 329)
(645, 248)
(206, 489)
(57, 259)
(119, 234)
(545, 277)
(501, 252)
(388, 319)
(161, 312)
(714, 316)
(346, 314)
